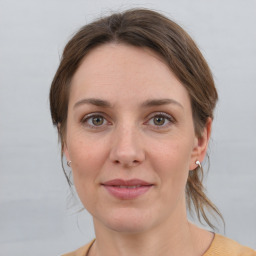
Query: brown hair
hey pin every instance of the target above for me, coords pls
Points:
(145, 28)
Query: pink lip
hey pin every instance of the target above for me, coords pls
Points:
(113, 187)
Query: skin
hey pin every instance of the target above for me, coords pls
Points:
(129, 141)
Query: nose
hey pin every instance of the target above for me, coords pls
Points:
(127, 150)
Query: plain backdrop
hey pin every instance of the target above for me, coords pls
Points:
(35, 217)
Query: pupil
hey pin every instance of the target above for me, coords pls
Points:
(159, 120)
(97, 120)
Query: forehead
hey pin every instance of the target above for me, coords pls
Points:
(119, 71)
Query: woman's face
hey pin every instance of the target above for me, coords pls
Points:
(130, 137)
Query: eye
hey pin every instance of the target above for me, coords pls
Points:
(161, 120)
(94, 121)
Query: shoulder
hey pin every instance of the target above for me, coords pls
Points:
(223, 246)
(82, 251)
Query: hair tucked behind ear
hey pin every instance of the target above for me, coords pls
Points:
(196, 197)
(145, 28)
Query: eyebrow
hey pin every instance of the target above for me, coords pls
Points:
(93, 101)
(107, 104)
(160, 102)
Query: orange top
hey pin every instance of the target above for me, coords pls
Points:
(223, 246)
(220, 246)
(81, 251)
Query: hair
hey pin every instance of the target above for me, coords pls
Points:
(150, 29)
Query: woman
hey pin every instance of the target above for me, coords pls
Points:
(133, 100)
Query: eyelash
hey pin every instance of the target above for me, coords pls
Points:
(167, 117)
(84, 121)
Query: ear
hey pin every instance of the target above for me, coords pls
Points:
(65, 151)
(63, 144)
(201, 145)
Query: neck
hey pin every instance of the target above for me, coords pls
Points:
(175, 236)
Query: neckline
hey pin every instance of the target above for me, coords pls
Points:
(90, 245)
(208, 250)
(212, 244)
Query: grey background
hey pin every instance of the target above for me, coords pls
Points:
(35, 217)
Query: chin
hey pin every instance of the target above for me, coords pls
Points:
(128, 221)
(128, 227)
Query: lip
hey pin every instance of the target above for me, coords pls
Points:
(120, 182)
(138, 188)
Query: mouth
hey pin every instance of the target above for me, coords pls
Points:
(127, 189)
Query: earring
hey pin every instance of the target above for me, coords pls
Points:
(198, 163)
(69, 163)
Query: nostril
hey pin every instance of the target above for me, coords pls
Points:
(127, 163)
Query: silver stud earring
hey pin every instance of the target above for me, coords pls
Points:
(198, 163)
(69, 163)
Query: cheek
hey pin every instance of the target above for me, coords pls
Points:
(86, 167)
(173, 154)
(171, 162)
(87, 160)
(86, 157)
